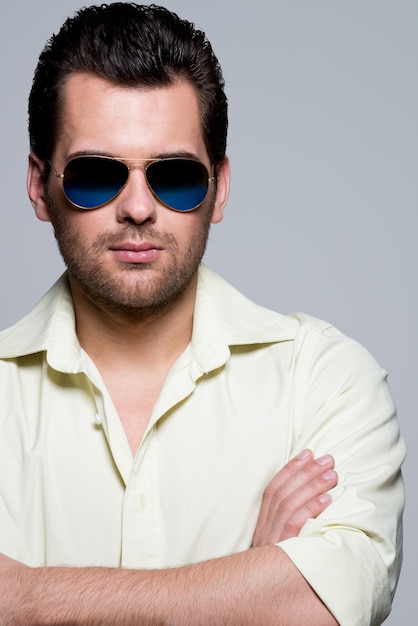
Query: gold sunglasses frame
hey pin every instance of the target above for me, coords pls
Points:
(130, 163)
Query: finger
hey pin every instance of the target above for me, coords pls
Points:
(299, 472)
(291, 515)
(294, 524)
(292, 467)
(283, 517)
(301, 498)
(281, 478)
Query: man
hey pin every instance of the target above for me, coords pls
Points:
(167, 446)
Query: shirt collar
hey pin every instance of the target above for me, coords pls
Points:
(49, 327)
(223, 318)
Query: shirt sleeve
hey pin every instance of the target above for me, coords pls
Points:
(351, 554)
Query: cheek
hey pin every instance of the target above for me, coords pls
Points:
(182, 226)
(198, 226)
(73, 228)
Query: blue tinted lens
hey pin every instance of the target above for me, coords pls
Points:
(90, 182)
(181, 184)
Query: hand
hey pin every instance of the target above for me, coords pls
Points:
(296, 493)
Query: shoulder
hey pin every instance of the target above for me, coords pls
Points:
(245, 322)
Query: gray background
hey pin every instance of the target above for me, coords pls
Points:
(323, 143)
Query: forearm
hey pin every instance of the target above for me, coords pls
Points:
(259, 586)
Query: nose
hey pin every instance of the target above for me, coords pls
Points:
(136, 203)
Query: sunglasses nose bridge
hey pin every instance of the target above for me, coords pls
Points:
(132, 164)
(140, 164)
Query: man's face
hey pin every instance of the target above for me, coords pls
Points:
(134, 255)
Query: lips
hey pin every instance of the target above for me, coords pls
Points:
(136, 252)
(135, 247)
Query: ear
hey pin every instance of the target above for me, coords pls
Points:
(223, 179)
(36, 187)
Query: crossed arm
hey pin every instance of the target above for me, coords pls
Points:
(258, 586)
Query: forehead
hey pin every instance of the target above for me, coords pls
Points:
(99, 115)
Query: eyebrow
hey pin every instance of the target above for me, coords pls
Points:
(185, 154)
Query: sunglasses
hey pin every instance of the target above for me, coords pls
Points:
(91, 181)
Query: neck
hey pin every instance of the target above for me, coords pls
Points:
(114, 339)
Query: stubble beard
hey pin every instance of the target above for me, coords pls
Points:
(140, 293)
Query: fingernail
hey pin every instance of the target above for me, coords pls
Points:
(325, 498)
(325, 460)
(329, 475)
(304, 455)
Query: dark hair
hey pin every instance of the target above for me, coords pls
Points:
(131, 45)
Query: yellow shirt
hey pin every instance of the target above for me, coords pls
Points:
(253, 389)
